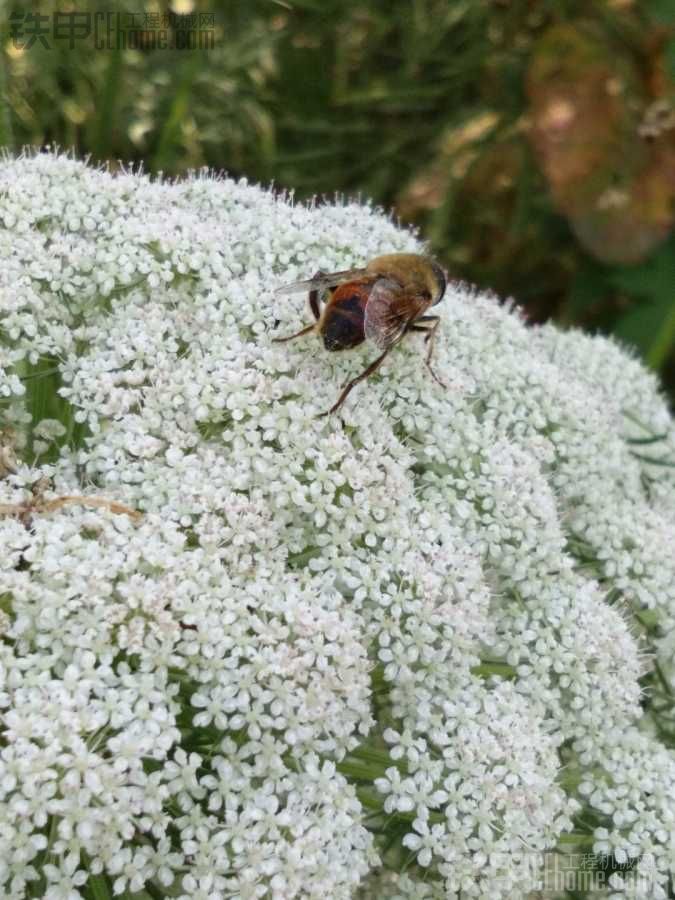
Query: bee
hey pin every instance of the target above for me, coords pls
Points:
(380, 303)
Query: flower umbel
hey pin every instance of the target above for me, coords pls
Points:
(262, 654)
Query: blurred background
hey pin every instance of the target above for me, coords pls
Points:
(531, 141)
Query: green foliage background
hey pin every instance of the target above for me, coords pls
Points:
(533, 141)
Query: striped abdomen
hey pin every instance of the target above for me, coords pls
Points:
(341, 325)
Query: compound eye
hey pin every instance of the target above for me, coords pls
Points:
(442, 279)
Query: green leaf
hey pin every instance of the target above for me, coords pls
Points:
(650, 324)
(589, 287)
(98, 888)
(661, 11)
(669, 56)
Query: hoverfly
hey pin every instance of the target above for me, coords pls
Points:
(381, 303)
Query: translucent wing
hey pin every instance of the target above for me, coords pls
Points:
(319, 281)
(389, 311)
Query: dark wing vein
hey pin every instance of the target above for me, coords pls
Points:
(389, 311)
(324, 280)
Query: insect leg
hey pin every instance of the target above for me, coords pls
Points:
(429, 339)
(305, 330)
(375, 364)
(315, 296)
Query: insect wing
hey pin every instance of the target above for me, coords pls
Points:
(320, 281)
(389, 311)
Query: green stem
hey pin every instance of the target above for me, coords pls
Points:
(355, 772)
(381, 759)
(662, 344)
(662, 678)
(106, 108)
(6, 137)
(170, 135)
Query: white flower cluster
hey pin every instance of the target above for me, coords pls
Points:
(398, 652)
